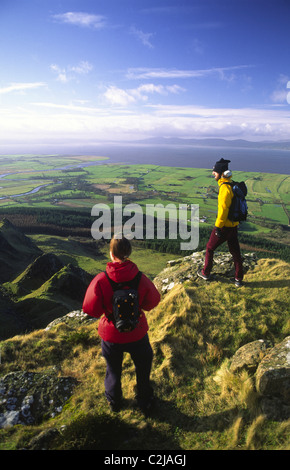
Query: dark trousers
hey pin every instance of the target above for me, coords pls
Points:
(230, 235)
(142, 356)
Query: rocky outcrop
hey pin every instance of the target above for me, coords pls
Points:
(184, 269)
(73, 319)
(271, 369)
(30, 397)
(249, 356)
(273, 374)
(273, 381)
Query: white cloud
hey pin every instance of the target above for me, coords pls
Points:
(117, 96)
(245, 123)
(280, 94)
(143, 37)
(82, 68)
(76, 106)
(150, 88)
(82, 19)
(149, 73)
(66, 74)
(175, 89)
(50, 123)
(21, 87)
(121, 97)
(61, 73)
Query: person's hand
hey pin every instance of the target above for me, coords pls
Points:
(218, 232)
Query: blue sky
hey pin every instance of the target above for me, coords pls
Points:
(87, 71)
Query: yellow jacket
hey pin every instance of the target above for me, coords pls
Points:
(224, 201)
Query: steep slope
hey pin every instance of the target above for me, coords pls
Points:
(16, 251)
(62, 292)
(9, 322)
(36, 288)
(38, 272)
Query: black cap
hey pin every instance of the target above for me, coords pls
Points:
(221, 166)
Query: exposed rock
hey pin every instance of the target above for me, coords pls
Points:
(42, 440)
(273, 374)
(271, 366)
(30, 397)
(73, 319)
(249, 356)
(274, 408)
(183, 269)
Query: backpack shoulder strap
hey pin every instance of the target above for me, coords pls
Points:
(135, 281)
(118, 285)
(229, 183)
(113, 283)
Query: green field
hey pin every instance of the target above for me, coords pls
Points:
(78, 188)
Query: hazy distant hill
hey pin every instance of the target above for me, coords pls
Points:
(236, 143)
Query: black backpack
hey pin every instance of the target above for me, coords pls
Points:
(126, 312)
(238, 211)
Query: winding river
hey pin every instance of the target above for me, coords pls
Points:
(38, 188)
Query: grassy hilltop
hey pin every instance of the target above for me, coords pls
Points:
(194, 331)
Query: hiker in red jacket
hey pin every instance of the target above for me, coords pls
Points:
(98, 303)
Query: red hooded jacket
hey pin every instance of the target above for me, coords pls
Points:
(98, 301)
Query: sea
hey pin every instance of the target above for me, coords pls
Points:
(242, 159)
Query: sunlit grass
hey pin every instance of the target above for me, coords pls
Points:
(201, 404)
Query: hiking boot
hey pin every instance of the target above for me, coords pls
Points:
(115, 407)
(147, 408)
(203, 276)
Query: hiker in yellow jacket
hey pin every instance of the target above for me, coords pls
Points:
(225, 229)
